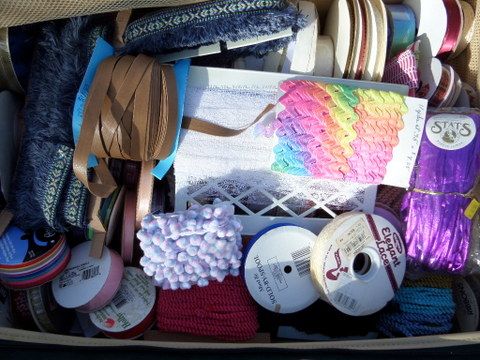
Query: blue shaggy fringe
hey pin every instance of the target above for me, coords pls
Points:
(231, 28)
(59, 63)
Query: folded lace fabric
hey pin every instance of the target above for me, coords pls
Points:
(45, 192)
(221, 310)
(192, 26)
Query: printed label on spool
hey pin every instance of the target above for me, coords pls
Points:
(450, 132)
(130, 306)
(467, 312)
(18, 246)
(83, 278)
(360, 264)
(277, 269)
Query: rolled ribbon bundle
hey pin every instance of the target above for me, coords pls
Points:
(454, 28)
(98, 279)
(402, 32)
(121, 120)
(438, 232)
(358, 263)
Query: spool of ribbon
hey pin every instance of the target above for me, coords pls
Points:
(401, 25)
(99, 280)
(468, 28)
(358, 263)
(454, 28)
(131, 113)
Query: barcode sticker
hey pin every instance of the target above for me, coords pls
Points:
(119, 300)
(90, 273)
(301, 259)
(355, 238)
(345, 301)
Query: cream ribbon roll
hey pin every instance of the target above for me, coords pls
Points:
(325, 57)
(358, 262)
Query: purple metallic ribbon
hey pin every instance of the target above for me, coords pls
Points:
(437, 231)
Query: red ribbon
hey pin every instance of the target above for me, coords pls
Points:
(454, 28)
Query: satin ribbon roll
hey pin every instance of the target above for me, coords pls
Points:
(468, 28)
(131, 114)
(401, 24)
(454, 28)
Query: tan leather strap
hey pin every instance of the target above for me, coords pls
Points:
(145, 192)
(130, 113)
(121, 23)
(217, 130)
(128, 229)
(95, 223)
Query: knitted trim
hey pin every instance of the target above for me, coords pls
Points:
(221, 310)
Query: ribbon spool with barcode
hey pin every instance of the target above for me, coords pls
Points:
(88, 284)
(132, 311)
(358, 262)
(276, 268)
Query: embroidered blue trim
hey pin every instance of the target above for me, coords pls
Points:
(199, 13)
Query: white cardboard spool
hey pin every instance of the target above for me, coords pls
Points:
(372, 23)
(325, 57)
(277, 269)
(381, 19)
(132, 304)
(431, 19)
(366, 291)
(357, 40)
(430, 72)
(303, 61)
(83, 278)
(338, 26)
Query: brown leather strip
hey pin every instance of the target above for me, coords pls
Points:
(121, 23)
(145, 192)
(217, 130)
(95, 223)
(128, 230)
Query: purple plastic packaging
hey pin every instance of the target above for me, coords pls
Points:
(437, 232)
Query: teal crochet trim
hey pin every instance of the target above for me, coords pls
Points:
(417, 311)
